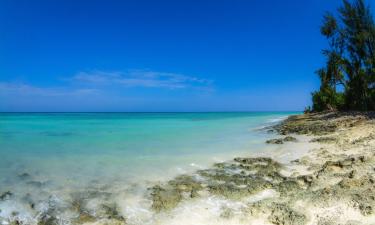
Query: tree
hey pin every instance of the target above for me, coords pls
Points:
(350, 59)
(359, 33)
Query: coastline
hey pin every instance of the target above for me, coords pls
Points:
(331, 183)
(323, 176)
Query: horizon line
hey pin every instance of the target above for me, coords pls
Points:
(151, 111)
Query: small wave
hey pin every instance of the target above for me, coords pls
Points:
(270, 122)
(276, 120)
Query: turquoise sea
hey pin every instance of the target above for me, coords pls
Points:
(59, 152)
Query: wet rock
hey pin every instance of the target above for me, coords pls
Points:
(259, 162)
(105, 213)
(237, 186)
(224, 176)
(164, 199)
(290, 139)
(361, 192)
(287, 187)
(226, 166)
(352, 174)
(226, 213)
(24, 176)
(363, 139)
(167, 196)
(331, 167)
(52, 212)
(111, 222)
(282, 214)
(110, 211)
(306, 124)
(365, 201)
(324, 139)
(80, 198)
(277, 141)
(78, 205)
(324, 195)
(15, 222)
(270, 131)
(185, 183)
(83, 218)
(28, 200)
(306, 179)
(340, 165)
(47, 219)
(257, 184)
(221, 165)
(228, 190)
(194, 193)
(349, 183)
(281, 140)
(262, 167)
(6, 195)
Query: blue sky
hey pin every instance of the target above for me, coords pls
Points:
(146, 55)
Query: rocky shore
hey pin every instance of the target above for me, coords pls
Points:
(333, 183)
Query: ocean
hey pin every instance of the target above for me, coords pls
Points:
(53, 155)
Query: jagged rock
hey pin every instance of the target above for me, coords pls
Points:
(365, 201)
(226, 213)
(259, 162)
(282, 214)
(24, 176)
(281, 140)
(340, 165)
(47, 219)
(306, 179)
(187, 184)
(6, 195)
(15, 222)
(164, 199)
(228, 190)
(168, 196)
(28, 200)
(305, 124)
(84, 217)
(324, 139)
(290, 139)
(277, 141)
(110, 211)
(288, 187)
(261, 166)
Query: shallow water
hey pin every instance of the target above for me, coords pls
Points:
(121, 152)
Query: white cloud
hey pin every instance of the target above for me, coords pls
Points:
(106, 86)
(8, 88)
(141, 78)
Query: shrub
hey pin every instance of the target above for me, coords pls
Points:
(327, 99)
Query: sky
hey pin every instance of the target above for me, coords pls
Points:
(147, 55)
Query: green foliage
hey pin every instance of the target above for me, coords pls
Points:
(327, 99)
(307, 110)
(350, 60)
(329, 26)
